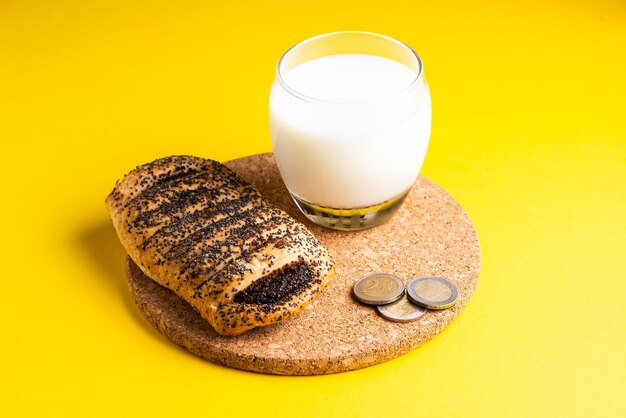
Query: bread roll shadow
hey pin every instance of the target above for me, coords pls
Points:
(101, 246)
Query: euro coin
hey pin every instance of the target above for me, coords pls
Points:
(432, 292)
(379, 289)
(401, 310)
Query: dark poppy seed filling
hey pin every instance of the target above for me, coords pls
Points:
(277, 287)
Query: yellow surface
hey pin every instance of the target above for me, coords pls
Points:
(529, 135)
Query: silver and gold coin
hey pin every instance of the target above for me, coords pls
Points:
(379, 289)
(432, 292)
(401, 310)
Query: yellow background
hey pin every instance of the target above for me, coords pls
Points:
(529, 135)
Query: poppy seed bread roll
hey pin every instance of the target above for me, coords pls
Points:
(195, 227)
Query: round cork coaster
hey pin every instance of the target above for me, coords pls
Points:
(430, 234)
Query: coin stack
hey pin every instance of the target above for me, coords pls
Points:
(395, 303)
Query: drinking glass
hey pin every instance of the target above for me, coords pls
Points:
(350, 121)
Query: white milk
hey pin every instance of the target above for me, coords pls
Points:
(361, 141)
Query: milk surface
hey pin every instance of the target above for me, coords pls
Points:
(363, 138)
(350, 78)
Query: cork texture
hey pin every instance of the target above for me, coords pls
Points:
(430, 235)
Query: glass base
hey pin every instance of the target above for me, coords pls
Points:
(350, 219)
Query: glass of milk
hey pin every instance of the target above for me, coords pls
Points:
(350, 120)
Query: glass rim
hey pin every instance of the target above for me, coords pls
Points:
(310, 99)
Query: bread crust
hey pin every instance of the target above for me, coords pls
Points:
(195, 227)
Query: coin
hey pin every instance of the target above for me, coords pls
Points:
(401, 310)
(432, 292)
(379, 289)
